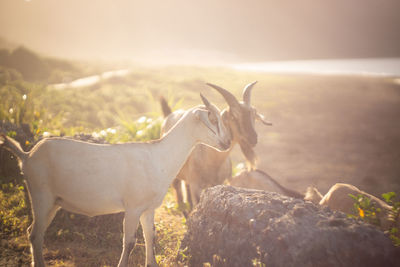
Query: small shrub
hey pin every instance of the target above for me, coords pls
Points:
(394, 214)
(366, 211)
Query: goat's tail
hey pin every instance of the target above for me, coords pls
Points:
(13, 146)
(166, 110)
(288, 192)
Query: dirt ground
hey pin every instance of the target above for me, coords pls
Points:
(330, 129)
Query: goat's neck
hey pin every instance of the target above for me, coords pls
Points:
(228, 121)
(175, 147)
(247, 150)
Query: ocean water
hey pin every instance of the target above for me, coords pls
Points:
(368, 66)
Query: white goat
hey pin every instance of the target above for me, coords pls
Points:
(206, 166)
(338, 199)
(93, 179)
(258, 179)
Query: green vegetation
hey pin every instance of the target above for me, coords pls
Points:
(13, 211)
(394, 216)
(366, 211)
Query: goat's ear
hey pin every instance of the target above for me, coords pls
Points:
(261, 118)
(202, 115)
(210, 107)
(205, 101)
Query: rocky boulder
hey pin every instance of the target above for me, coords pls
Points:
(244, 227)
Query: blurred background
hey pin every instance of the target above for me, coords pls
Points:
(177, 31)
(328, 77)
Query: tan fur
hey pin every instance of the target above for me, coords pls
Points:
(207, 167)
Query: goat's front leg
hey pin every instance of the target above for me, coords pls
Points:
(131, 221)
(147, 221)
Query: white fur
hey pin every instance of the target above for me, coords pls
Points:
(93, 179)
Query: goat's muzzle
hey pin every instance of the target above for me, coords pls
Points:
(251, 140)
(225, 145)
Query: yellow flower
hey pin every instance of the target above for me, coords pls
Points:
(27, 143)
(361, 212)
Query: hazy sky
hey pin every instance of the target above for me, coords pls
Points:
(204, 31)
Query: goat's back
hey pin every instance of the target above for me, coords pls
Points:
(93, 177)
(255, 180)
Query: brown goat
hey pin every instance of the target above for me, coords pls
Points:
(206, 166)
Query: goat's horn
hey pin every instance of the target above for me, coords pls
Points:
(205, 100)
(229, 98)
(247, 93)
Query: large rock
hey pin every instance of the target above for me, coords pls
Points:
(242, 227)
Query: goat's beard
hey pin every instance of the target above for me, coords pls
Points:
(249, 154)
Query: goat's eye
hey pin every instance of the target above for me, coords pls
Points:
(212, 118)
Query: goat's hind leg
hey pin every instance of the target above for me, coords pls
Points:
(188, 197)
(177, 185)
(195, 191)
(44, 210)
